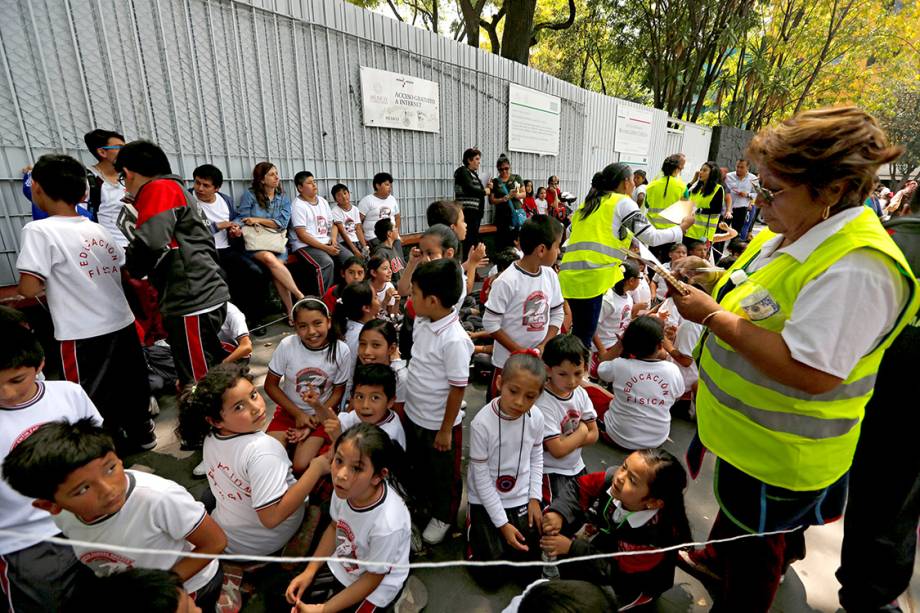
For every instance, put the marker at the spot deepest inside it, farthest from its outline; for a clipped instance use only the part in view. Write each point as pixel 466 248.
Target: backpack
pixel 95 194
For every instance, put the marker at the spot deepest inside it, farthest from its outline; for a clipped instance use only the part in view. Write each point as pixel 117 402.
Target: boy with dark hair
pixel 37 576
pixel 347 219
pixel 524 309
pixel 373 395
pixel 380 204
pixel 78 265
pixel 171 243
pixel 73 473
pixel 438 376
pixel 148 590
pixel 105 192
pixel 313 233
pixel 569 419
pixel 387 236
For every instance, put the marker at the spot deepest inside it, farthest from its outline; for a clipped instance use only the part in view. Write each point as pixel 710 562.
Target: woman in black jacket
pixel 469 191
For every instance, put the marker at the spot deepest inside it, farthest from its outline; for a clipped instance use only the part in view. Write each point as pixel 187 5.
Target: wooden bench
pixel 413 239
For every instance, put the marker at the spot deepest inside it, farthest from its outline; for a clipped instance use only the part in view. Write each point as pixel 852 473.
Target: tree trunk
pixel 471 10
pixel 518 30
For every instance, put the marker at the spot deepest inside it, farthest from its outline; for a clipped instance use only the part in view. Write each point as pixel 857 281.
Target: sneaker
pixel 145 438
pixel 414 596
pixel 201 470
pixel 435 531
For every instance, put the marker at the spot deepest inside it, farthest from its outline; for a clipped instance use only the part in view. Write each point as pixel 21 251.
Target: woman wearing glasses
pixel 507 195
pixel 796 330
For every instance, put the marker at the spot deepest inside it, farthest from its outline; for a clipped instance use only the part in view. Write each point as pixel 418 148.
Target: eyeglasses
pixel 121 178
pixel 766 195
pixel 112 147
pixel 504 168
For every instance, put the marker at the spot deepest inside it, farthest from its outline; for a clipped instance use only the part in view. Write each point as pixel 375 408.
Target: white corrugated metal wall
pixel 233 82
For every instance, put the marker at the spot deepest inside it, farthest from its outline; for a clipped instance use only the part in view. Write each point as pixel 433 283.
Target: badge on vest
pixel 760 305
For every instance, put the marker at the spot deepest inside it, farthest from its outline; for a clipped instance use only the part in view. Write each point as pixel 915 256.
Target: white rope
pixel 411 566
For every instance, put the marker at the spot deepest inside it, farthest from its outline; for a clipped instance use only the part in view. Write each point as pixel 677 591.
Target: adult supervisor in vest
pixel 707 196
pixel 795 335
pixel 602 229
pixel 665 190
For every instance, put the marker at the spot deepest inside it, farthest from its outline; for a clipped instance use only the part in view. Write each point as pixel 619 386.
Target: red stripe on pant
pixel 366 607
pixel 319 271
pixel 456 490
pixel 5 583
pixel 195 348
pixel 69 361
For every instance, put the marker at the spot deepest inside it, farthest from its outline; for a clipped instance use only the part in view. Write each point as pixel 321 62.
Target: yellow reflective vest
pixel 704 226
pixel 775 433
pixel 592 254
pixel 659 195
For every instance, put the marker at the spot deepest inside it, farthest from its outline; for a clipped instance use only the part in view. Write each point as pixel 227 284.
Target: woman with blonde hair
pixel 796 329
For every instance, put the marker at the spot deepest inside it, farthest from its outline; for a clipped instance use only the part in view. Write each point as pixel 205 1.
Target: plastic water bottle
pixel 550 571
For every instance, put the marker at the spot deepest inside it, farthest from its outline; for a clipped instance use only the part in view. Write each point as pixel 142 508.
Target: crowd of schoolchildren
pixel 368 397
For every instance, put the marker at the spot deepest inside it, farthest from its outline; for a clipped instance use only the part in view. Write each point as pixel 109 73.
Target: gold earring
pixel 827 213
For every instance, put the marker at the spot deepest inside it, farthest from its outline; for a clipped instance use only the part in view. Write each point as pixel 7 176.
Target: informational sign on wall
pixel 392 100
pixel 633 135
pixel 533 121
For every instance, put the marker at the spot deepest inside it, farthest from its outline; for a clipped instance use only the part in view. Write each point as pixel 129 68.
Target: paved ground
pixel 809 585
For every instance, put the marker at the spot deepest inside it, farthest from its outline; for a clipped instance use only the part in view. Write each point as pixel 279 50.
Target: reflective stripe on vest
pixel 704 226
pixel 590 264
pixel 775 433
pixel 659 195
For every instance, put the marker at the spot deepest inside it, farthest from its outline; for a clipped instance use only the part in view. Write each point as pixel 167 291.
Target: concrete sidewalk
pixel 809 585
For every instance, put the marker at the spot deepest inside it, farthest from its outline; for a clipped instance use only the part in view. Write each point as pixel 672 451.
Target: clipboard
pixel 677 211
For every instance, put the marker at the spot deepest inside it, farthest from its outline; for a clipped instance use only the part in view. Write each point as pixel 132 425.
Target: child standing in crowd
pixel 440 242
pixel 380 205
pixel 450 213
pixel 359 305
pixel 616 313
pixel 73 473
pixel 173 246
pixel 352 271
pixel 234 336
pixel 524 309
pixel 636 506
pixel 379 275
pixel 378 343
pixel 505 475
pixel 78 264
pixel 105 191
pixel 260 505
pixel 371 402
pixel 386 246
pixel 312 232
pixel 645 386
pixel 314 365
pixel 38 576
pixel 540 201
pixel 676 253
pixel 438 376
pixel 569 420
pixel 347 219
pixel 370 521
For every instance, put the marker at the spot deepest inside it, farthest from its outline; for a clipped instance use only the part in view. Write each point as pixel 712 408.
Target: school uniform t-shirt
pixel 506 448
pixel 688 335
pixel 53 401
pixel 299 367
pixel 616 313
pixel 643 393
pixel 374 209
pixel 314 219
pixel 561 417
pixel 349 220
pixel 380 532
pixel 523 305
pixel 80 265
pixel 389 424
pixel 233 328
pixel 246 473
pixel 643 293
pixel 110 205
pixel 216 212
pixel 157 514
pixel 441 352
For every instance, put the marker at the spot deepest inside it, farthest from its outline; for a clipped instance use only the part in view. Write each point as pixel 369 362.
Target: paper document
pixel 677 211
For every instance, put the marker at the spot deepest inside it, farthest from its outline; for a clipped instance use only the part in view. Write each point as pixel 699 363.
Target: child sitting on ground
pixel 373 394
pixel 315 366
pixel 616 313
pixel 234 335
pixel 645 386
pixel 352 271
pixel 569 420
pixel 638 505
pixel 260 505
pixel 73 473
pixel 380 277
pixel 505 475
pixel 676 253
pixel 39 576
pixel 524 309
pixel 370 521
pixel 438 242
pixel 359 304
pixel 378 343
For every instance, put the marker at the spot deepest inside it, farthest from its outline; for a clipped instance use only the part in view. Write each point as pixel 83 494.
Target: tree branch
pixel 395 11
pixel 558 25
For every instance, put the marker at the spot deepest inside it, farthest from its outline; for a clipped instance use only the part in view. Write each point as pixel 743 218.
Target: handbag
pixel 260 238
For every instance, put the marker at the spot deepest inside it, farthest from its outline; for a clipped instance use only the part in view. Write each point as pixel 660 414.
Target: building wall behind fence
pixel 234 82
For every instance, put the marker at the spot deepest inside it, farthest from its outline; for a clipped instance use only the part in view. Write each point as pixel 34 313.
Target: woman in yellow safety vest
pixel 602 230
pixel 707 196
pixel 796 330
pixel 665 190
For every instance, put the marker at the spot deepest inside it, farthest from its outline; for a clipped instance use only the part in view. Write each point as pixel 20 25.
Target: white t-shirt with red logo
pixel 380 532
pixel 561 417
pixel 616 313
pixel 315 219
pixel 80 264
pixel 349 220
pixel 523 305
pixel 299 367
pixel 374 209
pixel 157 514
pixel 53 401
pixel 643 393
pixel 248 472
